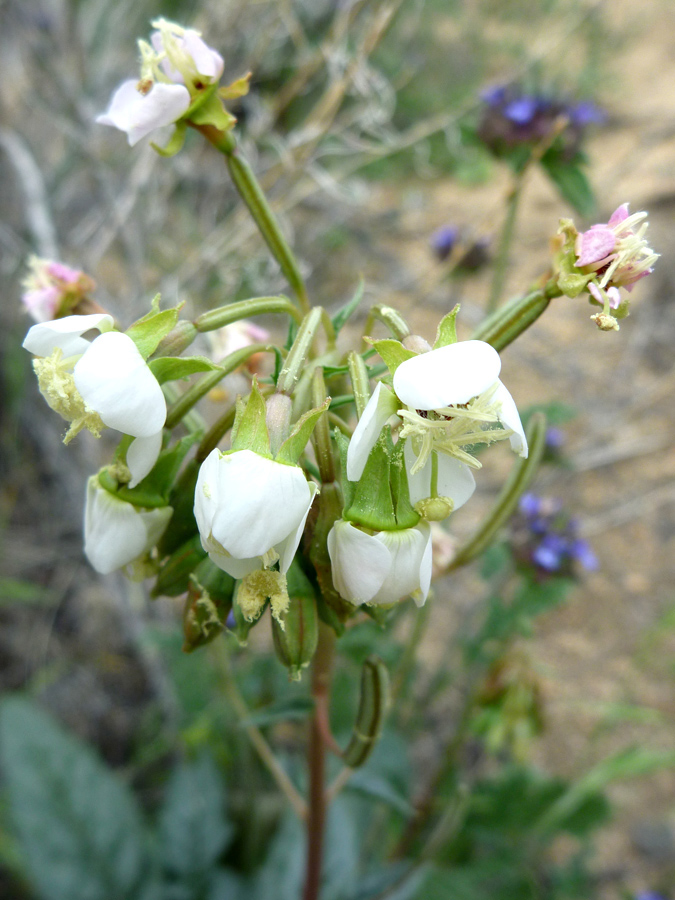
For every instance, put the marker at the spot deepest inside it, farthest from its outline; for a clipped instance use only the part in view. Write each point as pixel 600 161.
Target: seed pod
pixel 174 576
pixel 373 705
pixel 296 637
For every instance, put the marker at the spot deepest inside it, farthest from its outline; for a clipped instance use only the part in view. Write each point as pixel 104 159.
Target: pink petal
pixel 594 245
pixel 618 215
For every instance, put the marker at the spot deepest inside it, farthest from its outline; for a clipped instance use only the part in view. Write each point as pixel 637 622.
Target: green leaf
pixel 281 876
pixel 393 353
pixel 343 314
pixel 447 329
pixel 155 489
pixel 373 785
pixel 250 427
pixel 571 181
pixel 147 332
pixel 79 827
pixel 193 828
pixel 171 368
pixel 293 447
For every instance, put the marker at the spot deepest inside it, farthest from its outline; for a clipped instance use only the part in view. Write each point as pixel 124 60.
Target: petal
pixel 450 375
pixel 207 494
pixel 138 114
pixel 142 456
pixel 379 409
pixel 66 334
pixel 114 379
pixel 455 479
pixel 115 532
pixel 510 418
pixel 208 62
pixel 594 245
pixel 286 548
pixel 261 502
pixel 410 570
pixel 360 562
pixel 619 215
pixel 42 303
pixel 237 568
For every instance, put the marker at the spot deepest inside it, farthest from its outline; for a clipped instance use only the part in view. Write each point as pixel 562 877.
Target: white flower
pixel 452 398
pixel 117 533
pixel 381 568
pixel 139 113
pixel 175 67
pixel 250 510
pixel 105 381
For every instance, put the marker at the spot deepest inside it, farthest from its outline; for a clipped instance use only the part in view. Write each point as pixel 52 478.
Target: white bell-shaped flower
pixel 138 114
pixel 381 568
pixel 116 533
pixel 105 381
pixel 250 510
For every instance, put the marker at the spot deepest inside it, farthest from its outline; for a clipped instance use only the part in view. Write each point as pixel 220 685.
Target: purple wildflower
pixel 544 536
pixel 444 240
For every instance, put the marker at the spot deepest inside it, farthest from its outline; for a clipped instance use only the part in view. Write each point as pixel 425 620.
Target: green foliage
pixel 80 830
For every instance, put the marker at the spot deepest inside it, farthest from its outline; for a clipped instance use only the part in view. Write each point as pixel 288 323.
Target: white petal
pixel 509 417
pixel 114 379
pixel 379 409
pixel 115 532
pixel 138 114
pixel 360 562
pixel 42 339
pixel 237 568
pixel 286 549
pixel 207 495
pixel 450 375
pixel 260 503
pixel 142 456
pixel 208 62
pixel 455 479
pixel 409 573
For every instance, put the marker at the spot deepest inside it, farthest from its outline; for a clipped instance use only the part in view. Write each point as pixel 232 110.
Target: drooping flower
pixel 449 399
pixel 250 510
pixel 117 533
pixel 381 568
pixel 52 289
pixel 101 382
pixel 616 254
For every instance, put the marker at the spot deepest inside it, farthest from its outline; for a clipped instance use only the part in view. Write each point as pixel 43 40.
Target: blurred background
pixel 362 124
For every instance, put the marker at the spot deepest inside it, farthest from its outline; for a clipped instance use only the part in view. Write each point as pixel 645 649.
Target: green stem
pixel 321 434
pixel 505 241
pixel 243 309
pixel 251 193
pixel 358 374
pixel 511 320
pixel 322 669
pixel 299 352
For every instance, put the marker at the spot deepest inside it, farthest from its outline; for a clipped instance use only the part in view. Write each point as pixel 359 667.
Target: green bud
pixel 296 632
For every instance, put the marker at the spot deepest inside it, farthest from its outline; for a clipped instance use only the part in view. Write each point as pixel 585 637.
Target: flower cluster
pixel 514 118
pixel 545 537
pixel 52 289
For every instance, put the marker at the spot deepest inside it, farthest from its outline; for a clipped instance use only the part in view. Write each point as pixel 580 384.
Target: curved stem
pixel 505 241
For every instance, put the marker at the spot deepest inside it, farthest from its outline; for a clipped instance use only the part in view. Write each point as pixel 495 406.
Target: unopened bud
pixel 278 418
pixel 416 343
pixel 177 340
pixel 435 509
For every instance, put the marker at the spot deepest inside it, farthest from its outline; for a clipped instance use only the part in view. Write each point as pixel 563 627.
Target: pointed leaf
pixel 171 368
pixel 447 329
pixel 250 427
pixel 147 332
pixel 236 89
pixel 345 312
pixel 393 353
pixel 293 447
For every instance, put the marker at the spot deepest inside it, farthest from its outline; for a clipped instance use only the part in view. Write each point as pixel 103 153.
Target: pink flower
pixel 52 289
pixel 616 253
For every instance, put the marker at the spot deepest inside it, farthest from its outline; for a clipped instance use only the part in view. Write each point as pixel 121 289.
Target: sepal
pixel 249 431
pixel 148 331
